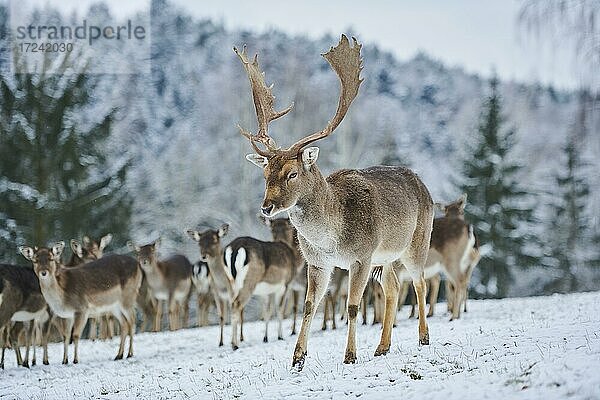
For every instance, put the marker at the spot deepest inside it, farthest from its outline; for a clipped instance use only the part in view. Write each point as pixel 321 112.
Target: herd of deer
pixel 355 229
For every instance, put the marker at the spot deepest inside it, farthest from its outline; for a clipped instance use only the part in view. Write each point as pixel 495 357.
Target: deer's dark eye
pixel 292 175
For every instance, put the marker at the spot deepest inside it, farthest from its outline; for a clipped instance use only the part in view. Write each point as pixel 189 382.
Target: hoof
pixel 265 340
pixel 65 362
pixel 118 357
pixel 350 358
pixel 279 337
pixel 293 333
pixel 33 363
pixel 25 364
pixel 221 344
pixel 324 328
pixel 234 347
pixel 46 362
pixel 129 355
pixel 424 341
pixel 76 361
pixel 381 350
pixel 298 360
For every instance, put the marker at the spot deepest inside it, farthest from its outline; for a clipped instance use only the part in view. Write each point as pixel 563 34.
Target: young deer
pixel 21 300
pixel 221 283
pixel 109 284
pixel 264 269
pixel 282 230
pixel 201 281
pixel 454 251
pixel 353 218
pixel 169 280
pixel 92 250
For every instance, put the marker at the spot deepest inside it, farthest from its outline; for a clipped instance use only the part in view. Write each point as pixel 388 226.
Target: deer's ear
pixel 264 220
pixel 195 235
pixel 223 230
pixel 440 207
pixel 76 248
pixel 133 247
pixel 463 201
pixel 27 252
pixel 258 160
pixel 105 241
pixel 156 243
pixel 58 248
pixel 309 156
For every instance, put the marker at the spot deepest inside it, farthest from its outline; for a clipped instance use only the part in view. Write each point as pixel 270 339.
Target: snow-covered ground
pixel 530 348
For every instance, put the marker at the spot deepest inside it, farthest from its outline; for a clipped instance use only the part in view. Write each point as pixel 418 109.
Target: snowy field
pixel 532 348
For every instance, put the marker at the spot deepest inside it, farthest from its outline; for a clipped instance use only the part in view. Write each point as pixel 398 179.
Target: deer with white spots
pixel 353 218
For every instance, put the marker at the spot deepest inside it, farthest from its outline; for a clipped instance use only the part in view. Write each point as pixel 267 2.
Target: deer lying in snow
pixel 109 284
pixel 201 281
pixel 353 218
pixel 169 280
pixel 21 300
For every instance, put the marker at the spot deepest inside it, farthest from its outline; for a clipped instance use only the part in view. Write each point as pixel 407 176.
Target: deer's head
pixel 90 249
pixel 456 209
pixel 209 241
pixel 147 255
pixel 282 229
pixel 289 173
pixel 45 260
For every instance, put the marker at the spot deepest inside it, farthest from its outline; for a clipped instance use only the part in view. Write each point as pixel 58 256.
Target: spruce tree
pixel 573 244
pixel 56 181
pixel 498 206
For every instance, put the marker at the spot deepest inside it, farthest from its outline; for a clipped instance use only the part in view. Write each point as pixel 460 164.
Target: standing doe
pixel 107 285
pixel 169 280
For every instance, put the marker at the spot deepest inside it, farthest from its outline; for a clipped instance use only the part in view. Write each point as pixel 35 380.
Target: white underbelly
pixel 24 316
pixel 380 257
pixel 265 289
pixel 98 311
pixel 160 294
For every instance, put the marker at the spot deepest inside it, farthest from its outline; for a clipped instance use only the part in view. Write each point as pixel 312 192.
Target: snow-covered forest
pixel 160 152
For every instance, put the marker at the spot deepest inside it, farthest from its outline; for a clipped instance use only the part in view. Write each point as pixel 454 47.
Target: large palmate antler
pixel 347 64
pixel 263 103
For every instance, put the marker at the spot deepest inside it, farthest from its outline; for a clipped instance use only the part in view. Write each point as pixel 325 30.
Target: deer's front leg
pixel 318 280
pixel 359 276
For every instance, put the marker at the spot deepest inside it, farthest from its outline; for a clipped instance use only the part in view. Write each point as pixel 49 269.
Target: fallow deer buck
pixel 169 280
pixel 221 282
pixel 21 300
pixel 353 218
pixel 201 281
pixel 109 284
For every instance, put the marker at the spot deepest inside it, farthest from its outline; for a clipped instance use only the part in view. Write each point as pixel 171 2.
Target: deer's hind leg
pixel 359 276
pixel 391 289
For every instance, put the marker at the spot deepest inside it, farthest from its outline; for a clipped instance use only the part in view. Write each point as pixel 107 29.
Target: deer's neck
pixel 316 215
pixel 218 274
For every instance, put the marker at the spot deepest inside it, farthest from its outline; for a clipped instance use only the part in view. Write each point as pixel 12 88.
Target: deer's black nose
pixel 267 210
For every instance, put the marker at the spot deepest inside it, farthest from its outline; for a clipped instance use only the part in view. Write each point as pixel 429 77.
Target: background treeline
pixel 152 154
